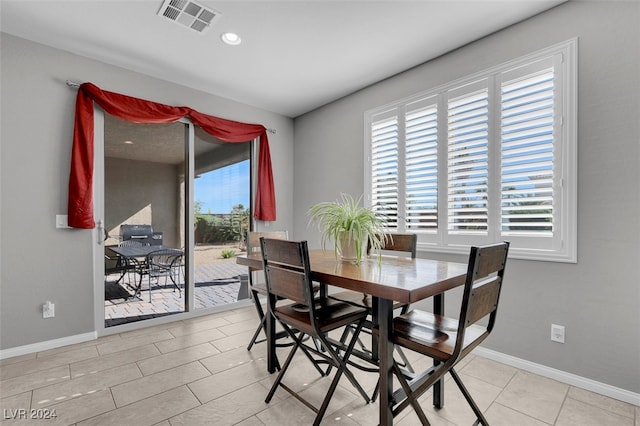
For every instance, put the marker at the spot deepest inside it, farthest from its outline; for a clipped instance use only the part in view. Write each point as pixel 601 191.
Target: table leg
pixel 385 352
pixel 374 338
pixel 438 387
pixel 138 290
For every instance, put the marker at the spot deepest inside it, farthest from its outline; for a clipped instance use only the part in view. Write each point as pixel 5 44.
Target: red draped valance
pixel 80 207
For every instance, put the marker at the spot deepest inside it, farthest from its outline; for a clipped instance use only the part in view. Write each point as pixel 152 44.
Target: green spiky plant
pixel 227 253
pixel 345 219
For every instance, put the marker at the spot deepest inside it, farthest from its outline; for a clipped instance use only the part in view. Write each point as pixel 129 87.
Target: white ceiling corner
pixel 295 56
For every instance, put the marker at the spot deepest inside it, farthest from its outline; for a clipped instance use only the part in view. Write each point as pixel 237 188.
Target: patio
pixel 217 282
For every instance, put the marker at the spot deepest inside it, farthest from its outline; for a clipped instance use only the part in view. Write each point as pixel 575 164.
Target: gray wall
pixel 38 261
pixel 150 192
pixel 597 299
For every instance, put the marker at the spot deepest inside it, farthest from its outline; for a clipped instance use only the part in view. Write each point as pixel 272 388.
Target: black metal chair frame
pixel 480 299
pixel 288 277
pixel 128 265
pixel 114 264
pixel 163 263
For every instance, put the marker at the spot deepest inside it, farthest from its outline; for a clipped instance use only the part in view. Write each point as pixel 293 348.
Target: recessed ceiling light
pixel 231 38
pixel 128 142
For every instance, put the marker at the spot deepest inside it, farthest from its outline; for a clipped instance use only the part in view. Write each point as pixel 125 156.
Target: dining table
pixel 135 253
pixel 387 279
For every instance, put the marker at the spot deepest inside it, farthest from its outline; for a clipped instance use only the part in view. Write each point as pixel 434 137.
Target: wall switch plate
pixel 61 221
pixel 557 333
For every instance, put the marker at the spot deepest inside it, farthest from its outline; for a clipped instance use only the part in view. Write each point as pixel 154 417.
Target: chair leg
pixel 149 288
pixel 121 276
pixel 376 391
pixel 327 399
pixel 467 396
pixel 283 369
pixel 256 334
pixel 334 358
pixel 262 325
pixel 175 285
pixel 341 365
pixel 314 361
pixel 342 361
pixel 411 396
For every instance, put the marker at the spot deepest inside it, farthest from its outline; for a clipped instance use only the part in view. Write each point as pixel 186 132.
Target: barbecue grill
pixel 142 233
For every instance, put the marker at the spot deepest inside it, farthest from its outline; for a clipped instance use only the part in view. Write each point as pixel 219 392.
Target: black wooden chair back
pixel 398 242
pixel 481 292
pixel 448 340
pixel 286 267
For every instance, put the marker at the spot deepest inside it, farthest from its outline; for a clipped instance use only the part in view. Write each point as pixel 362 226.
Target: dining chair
pixel 395 244
pixel 306 318
pixel 256 288
pixel 448 340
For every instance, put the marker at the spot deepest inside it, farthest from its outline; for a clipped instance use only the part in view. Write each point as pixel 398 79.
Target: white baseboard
pixel 561 376
pixel 46 345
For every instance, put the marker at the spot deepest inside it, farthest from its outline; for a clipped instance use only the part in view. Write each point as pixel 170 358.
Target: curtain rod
pixel 75 85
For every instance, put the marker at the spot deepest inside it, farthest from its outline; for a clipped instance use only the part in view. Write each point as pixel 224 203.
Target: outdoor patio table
pixel 134 253
pixel 394 279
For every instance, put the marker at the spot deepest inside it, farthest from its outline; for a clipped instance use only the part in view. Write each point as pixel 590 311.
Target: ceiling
pixel 295 55
pixel 165 143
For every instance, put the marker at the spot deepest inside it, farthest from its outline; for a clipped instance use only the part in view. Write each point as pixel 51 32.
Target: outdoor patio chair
pixel 167 264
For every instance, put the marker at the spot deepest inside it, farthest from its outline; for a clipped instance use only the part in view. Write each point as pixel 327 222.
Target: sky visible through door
pixel 220 190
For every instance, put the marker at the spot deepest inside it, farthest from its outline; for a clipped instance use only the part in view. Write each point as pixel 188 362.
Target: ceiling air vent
pixel 189 14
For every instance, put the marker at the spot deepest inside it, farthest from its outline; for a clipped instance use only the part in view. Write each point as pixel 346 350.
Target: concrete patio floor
pixel 217 283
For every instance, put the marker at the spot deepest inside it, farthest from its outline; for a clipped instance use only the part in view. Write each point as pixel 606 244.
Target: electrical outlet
pixel 557 333
pixel 48 309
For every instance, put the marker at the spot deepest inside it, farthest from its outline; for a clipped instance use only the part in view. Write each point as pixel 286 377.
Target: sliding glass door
pixel 145 174
pixel 222 189
pixel 172 187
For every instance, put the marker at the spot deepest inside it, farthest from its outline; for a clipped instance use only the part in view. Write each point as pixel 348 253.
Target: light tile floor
pixel 198 372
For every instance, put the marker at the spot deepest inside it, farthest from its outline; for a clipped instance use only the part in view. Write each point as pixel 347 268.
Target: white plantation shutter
pixel 468 163
pixel 527 132
pixel 421 167
pixel 488 158
pixel 384 168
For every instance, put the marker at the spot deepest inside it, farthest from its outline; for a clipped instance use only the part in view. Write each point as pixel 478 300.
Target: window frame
pixel 561 246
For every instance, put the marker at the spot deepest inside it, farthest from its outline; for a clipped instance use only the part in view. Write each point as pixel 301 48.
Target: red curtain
pixel 80 207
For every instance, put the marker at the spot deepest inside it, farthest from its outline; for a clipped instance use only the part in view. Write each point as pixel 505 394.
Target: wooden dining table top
pixel 395 278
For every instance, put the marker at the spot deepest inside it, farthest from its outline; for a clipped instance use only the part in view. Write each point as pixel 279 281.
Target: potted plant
pixel 350 226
